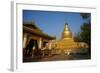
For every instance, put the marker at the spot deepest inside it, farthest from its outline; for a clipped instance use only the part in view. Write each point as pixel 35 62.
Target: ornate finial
pixel 66 23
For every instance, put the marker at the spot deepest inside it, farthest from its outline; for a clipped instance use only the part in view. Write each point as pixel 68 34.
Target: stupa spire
pixel 66 32
pixel 66 27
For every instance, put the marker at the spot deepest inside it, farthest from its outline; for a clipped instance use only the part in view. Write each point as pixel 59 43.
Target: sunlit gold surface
pixel 67 42
pixel 66 32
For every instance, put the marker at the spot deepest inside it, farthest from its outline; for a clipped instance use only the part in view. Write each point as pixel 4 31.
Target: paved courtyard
pixel 56 58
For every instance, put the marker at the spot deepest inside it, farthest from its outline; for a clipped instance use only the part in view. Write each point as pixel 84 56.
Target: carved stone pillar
pixel 24 40
pixel 50 44
pixel 40 43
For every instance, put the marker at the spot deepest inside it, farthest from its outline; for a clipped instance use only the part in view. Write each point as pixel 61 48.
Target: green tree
pixel 84 35
pixel 85 30
pixel 85 15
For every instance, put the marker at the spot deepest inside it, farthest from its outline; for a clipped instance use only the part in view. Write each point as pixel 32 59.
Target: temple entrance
pixel 29 48
pixel 44 44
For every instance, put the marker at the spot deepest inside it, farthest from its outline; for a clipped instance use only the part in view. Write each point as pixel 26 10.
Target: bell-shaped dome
pixel 66 32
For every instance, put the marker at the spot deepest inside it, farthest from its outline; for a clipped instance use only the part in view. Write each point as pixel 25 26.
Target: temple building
pixel 34 38
pixel 67 44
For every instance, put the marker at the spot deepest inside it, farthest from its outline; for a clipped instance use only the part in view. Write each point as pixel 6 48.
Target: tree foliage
pixel 85 15
pixel 85 33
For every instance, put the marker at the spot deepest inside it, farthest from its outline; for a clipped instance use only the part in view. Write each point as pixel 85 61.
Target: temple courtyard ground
pixel 59 57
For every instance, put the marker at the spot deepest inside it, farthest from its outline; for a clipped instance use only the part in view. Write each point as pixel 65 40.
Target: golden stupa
pixel 67 42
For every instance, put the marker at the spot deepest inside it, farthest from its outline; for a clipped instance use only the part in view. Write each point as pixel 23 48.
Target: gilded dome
pixel 66 32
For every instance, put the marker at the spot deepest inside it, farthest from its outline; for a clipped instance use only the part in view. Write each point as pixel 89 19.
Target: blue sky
pixel 52 22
